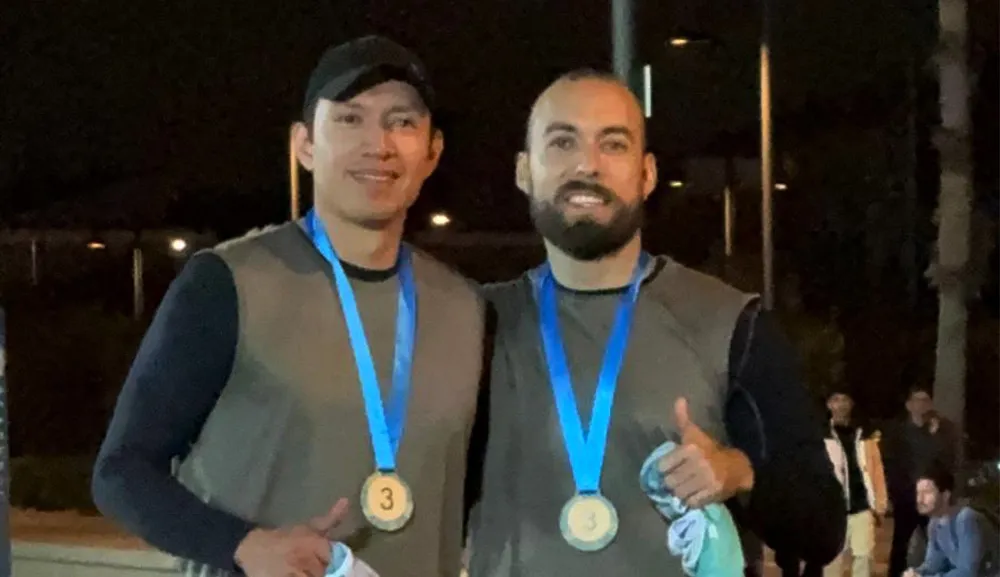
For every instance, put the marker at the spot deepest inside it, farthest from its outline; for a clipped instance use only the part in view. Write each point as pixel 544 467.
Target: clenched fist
pixel 701 471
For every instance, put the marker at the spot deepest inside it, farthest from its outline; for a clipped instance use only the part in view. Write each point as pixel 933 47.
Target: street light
pixel 440 219
pixel 676 184
pixel 781 186
pixel 96 245
pixel 178 245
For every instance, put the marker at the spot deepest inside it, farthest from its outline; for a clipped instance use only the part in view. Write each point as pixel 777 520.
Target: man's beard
pixel 585 238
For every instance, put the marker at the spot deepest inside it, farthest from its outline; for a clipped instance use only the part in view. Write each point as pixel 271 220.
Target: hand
pixel 934 425
pixel 910 573
pixel 327 525
pixel 701 471
pixel 296 551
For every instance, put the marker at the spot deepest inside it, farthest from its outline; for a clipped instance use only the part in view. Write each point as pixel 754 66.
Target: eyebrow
pixel 399 108
pixel 560 127
pixel 406 108
pixel 606 131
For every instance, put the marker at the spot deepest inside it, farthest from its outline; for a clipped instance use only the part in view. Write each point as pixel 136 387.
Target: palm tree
pixel 949 270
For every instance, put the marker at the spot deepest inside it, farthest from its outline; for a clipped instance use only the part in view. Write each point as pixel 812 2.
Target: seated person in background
pixel 959 540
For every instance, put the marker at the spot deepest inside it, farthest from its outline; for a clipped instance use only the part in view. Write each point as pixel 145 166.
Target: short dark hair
pixel 913 390
pixel 939 474
pixel 575 75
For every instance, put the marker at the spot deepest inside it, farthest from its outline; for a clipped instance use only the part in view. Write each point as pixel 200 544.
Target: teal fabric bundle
pixel 706 539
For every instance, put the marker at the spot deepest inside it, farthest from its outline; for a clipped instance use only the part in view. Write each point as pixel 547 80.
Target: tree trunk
pixel 949 270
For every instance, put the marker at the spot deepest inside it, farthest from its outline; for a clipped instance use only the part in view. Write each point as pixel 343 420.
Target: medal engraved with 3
pixel 589 521
pixel 386 499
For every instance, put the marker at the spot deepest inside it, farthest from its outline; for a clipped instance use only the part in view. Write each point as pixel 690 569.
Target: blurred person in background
pixel 857 462
pixel 910 446
pixel 961 542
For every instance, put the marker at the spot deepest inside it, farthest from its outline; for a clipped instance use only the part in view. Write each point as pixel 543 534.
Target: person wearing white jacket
pixel 857 463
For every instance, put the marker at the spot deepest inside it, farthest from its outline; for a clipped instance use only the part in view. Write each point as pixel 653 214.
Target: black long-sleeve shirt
pixel 796 505
pixel 178 374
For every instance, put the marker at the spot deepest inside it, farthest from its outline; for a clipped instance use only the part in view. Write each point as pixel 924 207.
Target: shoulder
pixel 969 517
pixel 254 241
pixel 870 432
pixel 204 283
pixel 697 299
pixel 508 297
pixel 443 280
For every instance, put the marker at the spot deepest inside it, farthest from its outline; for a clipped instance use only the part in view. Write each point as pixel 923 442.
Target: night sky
pixel 197 96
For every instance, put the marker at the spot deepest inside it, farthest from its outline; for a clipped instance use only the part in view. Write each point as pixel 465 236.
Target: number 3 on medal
pixel 386 501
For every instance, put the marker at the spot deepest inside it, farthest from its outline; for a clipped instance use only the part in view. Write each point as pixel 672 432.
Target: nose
pixel 380 144
pixel 588 163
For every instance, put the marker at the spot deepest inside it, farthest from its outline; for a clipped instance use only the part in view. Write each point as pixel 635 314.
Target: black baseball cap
pixel 353 67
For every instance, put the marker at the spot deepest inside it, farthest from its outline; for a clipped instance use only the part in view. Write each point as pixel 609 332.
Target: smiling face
pixel 370 155
pixel 585 169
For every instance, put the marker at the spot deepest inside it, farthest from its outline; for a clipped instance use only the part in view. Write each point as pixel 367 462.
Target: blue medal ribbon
pixel 585 450
pixel 385 425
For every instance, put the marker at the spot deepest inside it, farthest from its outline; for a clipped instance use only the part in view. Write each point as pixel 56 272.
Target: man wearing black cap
pixel 288 372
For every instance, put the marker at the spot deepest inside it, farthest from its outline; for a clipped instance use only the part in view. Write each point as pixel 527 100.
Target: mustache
pixel 567 189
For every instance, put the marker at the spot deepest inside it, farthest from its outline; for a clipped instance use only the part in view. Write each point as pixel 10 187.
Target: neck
pixel 917 420
pixel 609 272
pixel 363 247
pixel 842 421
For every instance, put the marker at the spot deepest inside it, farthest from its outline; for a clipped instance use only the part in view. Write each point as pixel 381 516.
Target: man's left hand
pixel 701 471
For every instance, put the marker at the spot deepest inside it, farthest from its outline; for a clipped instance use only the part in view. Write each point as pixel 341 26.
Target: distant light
pixel 676 184
pixel 680 41
pixel 647 89
pixel 96 245
pixel 440 219
pixel 178 245
pixel 781 186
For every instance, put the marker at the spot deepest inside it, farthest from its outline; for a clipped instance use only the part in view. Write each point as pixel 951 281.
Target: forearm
pixel 150 503
pixel 796 506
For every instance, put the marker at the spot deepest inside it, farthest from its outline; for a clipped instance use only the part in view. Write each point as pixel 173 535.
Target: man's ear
pixel 434 150
pixel 437 146
pixel 302 145
pixel 649 175
pixel 522 172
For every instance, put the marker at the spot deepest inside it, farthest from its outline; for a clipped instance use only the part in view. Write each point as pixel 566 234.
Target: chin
pixel 379 219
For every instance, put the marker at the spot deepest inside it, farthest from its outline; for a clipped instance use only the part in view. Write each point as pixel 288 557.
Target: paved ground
pixel 71 529
pixel 883 537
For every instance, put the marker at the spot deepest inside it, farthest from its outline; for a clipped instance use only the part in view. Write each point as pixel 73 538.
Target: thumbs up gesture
pixel 327 523
pixel 701 471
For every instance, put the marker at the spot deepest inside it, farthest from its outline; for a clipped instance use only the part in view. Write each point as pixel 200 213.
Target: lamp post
pixel 623 38
pixel 766 160
pixel 293 176
pixel 766 152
